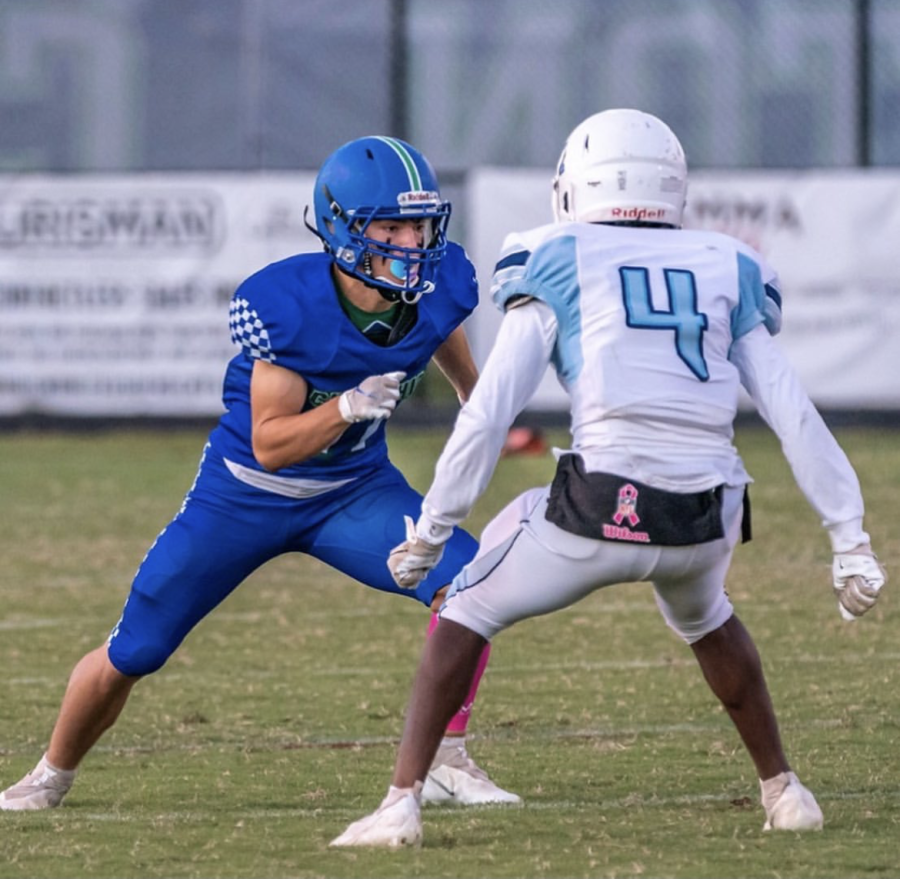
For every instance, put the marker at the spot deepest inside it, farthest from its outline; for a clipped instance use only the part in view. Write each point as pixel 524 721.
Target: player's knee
pixel 138 659
pixel 692 624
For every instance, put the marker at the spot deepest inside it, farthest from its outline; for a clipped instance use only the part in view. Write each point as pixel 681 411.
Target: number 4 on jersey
pixel 682 316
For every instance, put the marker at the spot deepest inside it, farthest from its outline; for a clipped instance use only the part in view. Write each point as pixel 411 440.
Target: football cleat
pixel 795 808
pixel 42 788
pixel 456 778
pixel 397 822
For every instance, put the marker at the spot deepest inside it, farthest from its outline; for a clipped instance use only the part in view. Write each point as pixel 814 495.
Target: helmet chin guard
pixel 381 178
pixel 621 166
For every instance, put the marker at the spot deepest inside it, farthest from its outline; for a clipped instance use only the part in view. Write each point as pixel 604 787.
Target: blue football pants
pixel 227 529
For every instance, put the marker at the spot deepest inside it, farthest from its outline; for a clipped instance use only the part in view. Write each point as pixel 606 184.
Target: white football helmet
pixel 621 166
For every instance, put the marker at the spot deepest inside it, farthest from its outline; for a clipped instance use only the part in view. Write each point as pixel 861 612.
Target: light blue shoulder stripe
pixel 551 275
pixel 749 312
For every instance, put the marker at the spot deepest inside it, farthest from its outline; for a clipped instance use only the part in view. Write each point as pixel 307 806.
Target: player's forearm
pixel 454 359
pixel 512 373
pixel 289 439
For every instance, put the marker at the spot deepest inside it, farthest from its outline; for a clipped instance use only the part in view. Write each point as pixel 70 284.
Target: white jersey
pixel 651 333
pixel 646 319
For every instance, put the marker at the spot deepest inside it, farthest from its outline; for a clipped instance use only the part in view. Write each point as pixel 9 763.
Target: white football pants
pixel 527 566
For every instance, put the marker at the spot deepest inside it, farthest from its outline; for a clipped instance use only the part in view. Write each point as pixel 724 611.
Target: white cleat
pixel 456 778
pixel 397 822
pixel 794 808
pixel 43 788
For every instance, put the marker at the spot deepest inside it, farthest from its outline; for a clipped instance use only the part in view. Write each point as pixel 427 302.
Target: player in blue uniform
pixel 330 343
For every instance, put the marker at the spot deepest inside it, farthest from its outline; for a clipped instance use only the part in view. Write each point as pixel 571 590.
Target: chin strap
pixel 314 230
pixel 403 323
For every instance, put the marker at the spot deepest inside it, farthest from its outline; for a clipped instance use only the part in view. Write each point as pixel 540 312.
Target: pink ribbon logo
pixel 628 495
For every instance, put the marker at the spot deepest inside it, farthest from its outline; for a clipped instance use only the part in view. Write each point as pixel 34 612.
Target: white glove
pixel 411 561
pixel 374 397
pixel 858 578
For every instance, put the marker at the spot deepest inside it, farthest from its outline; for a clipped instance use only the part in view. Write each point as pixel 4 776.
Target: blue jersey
pixel 288 314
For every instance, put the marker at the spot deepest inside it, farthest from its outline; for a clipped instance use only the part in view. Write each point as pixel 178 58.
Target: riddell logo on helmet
pixel 638 213
pixel 417 197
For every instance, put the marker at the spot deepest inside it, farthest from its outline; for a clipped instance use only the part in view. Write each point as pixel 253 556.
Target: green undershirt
pixel 374 325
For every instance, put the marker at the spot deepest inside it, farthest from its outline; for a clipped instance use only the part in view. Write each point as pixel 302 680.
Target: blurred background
pixel 162 85
pixel 155 152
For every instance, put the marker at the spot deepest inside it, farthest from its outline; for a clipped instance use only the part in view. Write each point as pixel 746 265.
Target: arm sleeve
pixel 822 470
pixel 513 370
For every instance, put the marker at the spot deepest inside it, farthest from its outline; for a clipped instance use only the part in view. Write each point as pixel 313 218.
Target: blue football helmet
pixel 377 178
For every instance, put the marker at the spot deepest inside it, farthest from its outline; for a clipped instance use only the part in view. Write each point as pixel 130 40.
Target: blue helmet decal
pixel 381 178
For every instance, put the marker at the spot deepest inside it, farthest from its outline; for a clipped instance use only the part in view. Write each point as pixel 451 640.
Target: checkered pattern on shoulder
pixel 247 330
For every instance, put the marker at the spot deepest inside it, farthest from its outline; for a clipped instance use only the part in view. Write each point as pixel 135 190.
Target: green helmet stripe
pixel 415 181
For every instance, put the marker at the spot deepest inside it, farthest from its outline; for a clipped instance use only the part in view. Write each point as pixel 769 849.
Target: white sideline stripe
pixel 534 735
pixel 627 803
pixel 255 616
pixel 16 625
pixel 608 732
pixel 30 682
pixel 498 668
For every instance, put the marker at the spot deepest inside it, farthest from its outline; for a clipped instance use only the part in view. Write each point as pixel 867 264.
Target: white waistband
pixel 283 485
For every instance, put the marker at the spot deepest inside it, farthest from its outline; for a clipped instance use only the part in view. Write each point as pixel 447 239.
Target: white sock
pixel 772 788
pixel 395 794
pixel 66 776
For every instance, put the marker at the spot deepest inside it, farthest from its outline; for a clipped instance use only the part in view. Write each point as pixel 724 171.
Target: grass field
pixel 275 724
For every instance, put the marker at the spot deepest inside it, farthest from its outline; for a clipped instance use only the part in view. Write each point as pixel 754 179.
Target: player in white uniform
pixel 651 330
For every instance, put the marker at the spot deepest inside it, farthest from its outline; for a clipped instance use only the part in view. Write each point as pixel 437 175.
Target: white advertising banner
pixel 114 290
pixel 833 237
